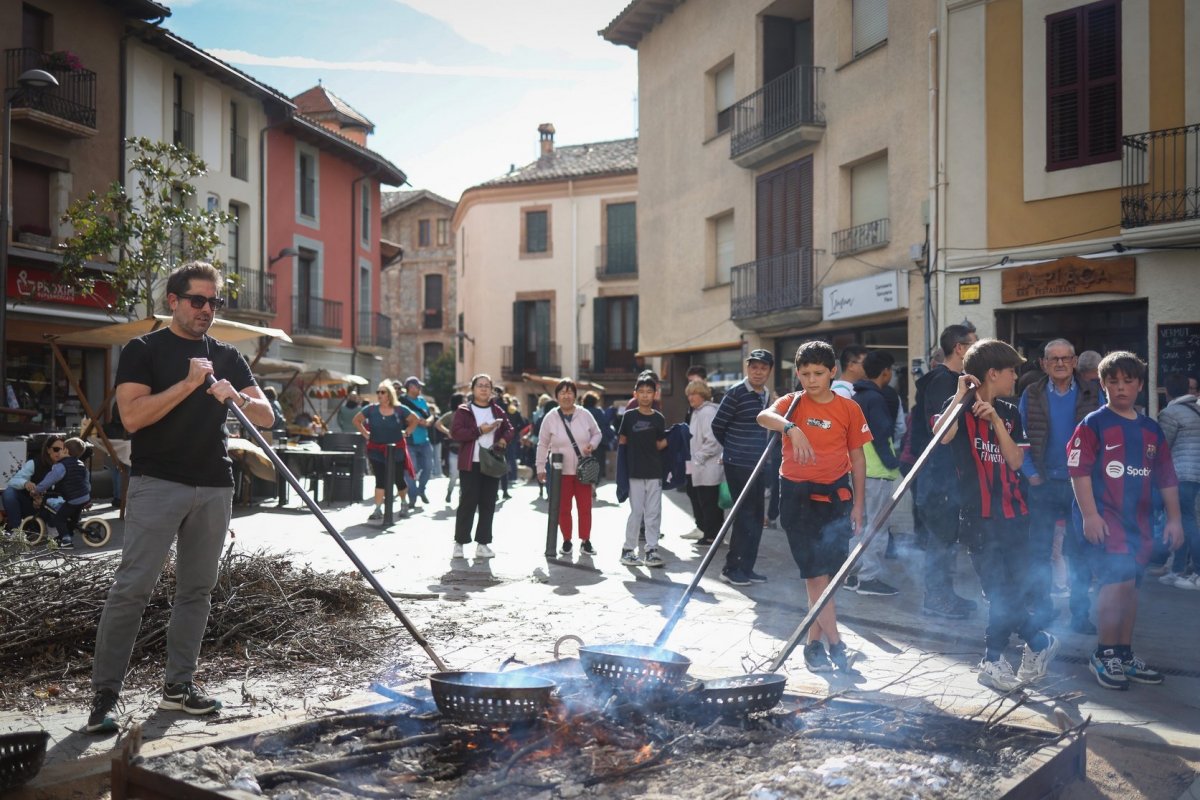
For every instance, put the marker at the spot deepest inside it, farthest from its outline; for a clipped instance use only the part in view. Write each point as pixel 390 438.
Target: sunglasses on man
pixel 198 301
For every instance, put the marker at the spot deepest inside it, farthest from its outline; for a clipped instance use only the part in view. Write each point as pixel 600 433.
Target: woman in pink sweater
pixel 553 439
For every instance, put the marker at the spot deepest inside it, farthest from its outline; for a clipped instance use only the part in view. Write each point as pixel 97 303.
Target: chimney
pixel 546 138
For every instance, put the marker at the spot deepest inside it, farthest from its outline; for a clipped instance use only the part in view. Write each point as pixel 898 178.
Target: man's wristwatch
pixel 787 427
pixel 245 399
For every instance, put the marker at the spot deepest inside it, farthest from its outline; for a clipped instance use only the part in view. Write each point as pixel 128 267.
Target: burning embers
pixel 604 743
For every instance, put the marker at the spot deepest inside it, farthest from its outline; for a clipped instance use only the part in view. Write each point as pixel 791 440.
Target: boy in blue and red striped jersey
pixel 988 443
pixel 1116 458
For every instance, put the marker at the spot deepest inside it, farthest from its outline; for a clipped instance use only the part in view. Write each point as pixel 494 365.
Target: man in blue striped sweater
pixel 736 428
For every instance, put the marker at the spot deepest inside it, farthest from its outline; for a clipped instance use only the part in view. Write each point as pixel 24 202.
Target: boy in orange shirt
pixel 822 487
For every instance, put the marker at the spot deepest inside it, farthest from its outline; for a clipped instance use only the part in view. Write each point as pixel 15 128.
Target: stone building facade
pixel 419 291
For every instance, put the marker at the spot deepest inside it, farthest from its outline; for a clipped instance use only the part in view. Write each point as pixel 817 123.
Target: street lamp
pixel 31 79
pixel 287 252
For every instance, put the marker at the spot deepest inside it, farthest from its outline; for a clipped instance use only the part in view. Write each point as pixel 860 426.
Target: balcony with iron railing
pixel 545 360
pixel 606 362
pixel 773 291
pixel 255 293
pixel 785 114
pixel 859 238
pixel 239 163
pixel 184 129
pixel 374 331
pixel 316 318
pixel 1160 177
pixel 69 108
pixel 616 260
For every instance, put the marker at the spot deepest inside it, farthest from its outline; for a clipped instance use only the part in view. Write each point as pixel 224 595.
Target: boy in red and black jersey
pixel 1116 458
pixel 988 444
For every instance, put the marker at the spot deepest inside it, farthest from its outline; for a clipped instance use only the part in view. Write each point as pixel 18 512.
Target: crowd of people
pixel 1069 465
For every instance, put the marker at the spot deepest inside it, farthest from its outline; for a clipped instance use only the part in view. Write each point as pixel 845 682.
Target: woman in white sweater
pixel 552 438
pixel 705 466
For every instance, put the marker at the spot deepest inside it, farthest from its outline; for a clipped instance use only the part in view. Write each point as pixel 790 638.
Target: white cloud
pixel 401 67
pixel 503 26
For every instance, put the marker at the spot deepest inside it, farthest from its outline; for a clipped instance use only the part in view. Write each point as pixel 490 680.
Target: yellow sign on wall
pixel 968 291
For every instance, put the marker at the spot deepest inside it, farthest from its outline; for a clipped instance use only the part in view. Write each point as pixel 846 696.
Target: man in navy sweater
pixel 736 427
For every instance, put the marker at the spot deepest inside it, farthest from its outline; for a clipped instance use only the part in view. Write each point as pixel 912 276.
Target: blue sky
pixel 456 88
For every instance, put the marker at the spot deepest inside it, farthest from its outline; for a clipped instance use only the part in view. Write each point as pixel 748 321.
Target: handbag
pixel 491 463
pixel 724 497
pixel 587 468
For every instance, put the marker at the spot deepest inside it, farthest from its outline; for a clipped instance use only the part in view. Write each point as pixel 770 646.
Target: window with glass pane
pixel 430 352
pixel 433 302
pixel 536 228
pixel 365 205
pixel 723 233
pixel 443 232
pixel 622 332
pixel 725 98
pixel 423 233
pixel 621 242
pixel 233 257
pixel 308 185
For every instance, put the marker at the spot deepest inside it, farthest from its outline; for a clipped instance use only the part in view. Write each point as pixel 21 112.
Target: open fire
pixel 598 743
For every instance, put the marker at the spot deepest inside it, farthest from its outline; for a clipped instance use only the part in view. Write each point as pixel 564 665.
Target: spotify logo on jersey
pixel 1115 469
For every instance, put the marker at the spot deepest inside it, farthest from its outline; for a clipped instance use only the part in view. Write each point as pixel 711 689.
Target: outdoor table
pixel 307 462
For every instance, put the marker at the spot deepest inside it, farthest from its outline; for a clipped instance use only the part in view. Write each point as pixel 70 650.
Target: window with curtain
pixel 725 98
pixel 537 231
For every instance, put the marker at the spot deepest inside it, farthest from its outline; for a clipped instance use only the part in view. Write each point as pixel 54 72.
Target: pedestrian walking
pixel 643 435
pixel 1118 457
pixel 570 432
pixel 883 470
pixel 479 424
pixel 936 496
pixel 420 449
pixel 822 483
pixel 451 447
pixel 987 442
pixel 704 470
pixel 382 424
pixel 181 489
pixel 743 441
pixel 1180 422
pixel 1050 408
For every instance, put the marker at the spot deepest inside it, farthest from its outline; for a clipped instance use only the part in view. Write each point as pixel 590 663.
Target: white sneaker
pixel 1169 578
pixel 483 551
pixel 998 675
pixel 458 551
pixel 1034 664
pixel 694 533
pixel 1190 582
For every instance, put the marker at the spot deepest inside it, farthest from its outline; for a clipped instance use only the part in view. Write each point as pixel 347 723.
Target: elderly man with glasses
pixel 181 491
pixel 1050 408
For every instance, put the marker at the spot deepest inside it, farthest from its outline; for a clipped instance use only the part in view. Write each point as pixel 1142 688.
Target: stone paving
pixel 520 603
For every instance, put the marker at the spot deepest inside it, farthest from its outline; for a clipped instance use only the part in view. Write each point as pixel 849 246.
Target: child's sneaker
pixel 586 548
pixel 458 551
pixel 1035 663
pixel 998 674
pixel 815 658
pixel 1136 670
pixel 630 558
pixel 1109 670
pixel 66 543
pixel 483 551
pixel 653 559
pixel 839 657
pixel 566 547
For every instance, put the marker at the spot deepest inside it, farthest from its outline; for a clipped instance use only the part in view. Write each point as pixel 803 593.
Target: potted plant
pixel 63 61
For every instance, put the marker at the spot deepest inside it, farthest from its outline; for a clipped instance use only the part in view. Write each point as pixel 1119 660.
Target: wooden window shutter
pixel 1083 85
pixel 599 334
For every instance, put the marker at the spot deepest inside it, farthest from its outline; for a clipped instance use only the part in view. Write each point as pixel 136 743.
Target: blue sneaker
pixel 1137 671
pixel 1109 670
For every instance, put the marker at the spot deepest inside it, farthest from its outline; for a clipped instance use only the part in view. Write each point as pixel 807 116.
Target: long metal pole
pixel 751 485
pixel 873 528
pixel 252 429
pixel 5 213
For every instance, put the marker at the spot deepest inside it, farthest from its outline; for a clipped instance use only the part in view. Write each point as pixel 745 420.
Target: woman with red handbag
pixel 381 424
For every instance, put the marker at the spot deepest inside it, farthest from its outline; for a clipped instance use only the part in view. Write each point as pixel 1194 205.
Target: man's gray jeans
pixel 158 512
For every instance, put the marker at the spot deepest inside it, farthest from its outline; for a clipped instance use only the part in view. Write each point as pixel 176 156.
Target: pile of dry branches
pixel 265 611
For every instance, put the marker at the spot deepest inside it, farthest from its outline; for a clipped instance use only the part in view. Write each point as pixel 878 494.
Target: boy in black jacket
pixel 988 444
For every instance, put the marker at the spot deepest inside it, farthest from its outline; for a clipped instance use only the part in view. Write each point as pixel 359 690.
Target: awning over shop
pixel 547 381
pixel 119 333
pixel 699 348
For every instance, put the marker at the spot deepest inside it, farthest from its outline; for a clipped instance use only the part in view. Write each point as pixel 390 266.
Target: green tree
pixel 439 379
pixel 151 231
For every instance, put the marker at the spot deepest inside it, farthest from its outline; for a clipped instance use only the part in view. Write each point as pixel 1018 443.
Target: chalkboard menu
pixel 1178 348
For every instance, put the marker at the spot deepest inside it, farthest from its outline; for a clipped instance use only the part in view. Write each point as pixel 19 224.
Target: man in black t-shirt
pixel 181 489
pixel 988 444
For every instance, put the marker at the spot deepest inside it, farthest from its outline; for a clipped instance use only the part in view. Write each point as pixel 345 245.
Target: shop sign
pixel 887 291
pixel 31 285
pixel 968 291
pixel 1069 276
